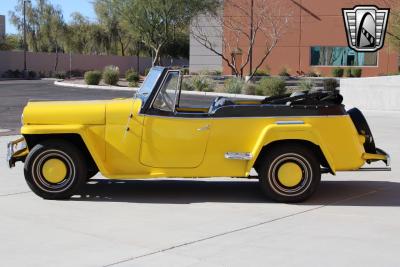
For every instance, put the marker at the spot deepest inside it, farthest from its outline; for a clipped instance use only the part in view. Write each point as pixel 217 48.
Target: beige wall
pixel 202 58
pixel 46 61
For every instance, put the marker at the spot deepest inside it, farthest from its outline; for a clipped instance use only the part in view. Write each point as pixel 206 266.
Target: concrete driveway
pixel 353 220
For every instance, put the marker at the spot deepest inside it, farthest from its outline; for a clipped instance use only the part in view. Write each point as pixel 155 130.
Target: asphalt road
pixel 15 94
pixel 352 220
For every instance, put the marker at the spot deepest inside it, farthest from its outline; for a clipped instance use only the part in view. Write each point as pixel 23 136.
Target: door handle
pixel 204 128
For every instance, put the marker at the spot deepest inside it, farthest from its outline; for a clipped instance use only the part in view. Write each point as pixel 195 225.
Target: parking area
pixel 353 219
pixel 15 94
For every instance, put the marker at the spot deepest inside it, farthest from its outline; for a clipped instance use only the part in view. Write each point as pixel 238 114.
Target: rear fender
pixel 276 132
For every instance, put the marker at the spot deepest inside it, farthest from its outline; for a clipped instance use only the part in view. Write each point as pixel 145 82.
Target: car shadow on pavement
pixel 339 193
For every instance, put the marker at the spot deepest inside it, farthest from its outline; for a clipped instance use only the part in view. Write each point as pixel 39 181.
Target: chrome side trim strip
pixel 289 122
pixel 238 156
pixel 372 169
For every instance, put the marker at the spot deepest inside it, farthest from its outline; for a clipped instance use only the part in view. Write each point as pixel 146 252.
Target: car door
pixel 169 141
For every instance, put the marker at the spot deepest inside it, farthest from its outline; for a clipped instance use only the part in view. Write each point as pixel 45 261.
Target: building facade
pixel 314 39
pixel 2 27
pixel 201 58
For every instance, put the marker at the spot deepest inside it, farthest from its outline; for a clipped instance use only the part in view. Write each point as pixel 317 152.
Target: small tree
pixel 156 21
pixel 394 27
pixel 107 14
pixel 253 19
pixel 45 26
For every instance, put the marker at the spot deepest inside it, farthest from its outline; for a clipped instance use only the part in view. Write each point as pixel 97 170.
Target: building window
pixel 341 56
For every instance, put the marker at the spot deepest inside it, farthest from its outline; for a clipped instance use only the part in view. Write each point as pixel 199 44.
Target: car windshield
pixel 149 84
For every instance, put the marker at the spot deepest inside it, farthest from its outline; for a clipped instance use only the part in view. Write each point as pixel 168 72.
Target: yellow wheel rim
pixel 290 174
pixel 54 171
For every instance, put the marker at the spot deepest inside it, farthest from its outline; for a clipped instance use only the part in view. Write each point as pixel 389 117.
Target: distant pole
pixel 138 57
pixel 25 46
pixel 24 37
pixel 70 64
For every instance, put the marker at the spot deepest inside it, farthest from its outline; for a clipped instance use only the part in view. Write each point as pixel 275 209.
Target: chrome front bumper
pixel 16 151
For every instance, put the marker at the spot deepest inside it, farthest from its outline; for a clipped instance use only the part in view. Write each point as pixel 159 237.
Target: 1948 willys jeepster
pixel 288 140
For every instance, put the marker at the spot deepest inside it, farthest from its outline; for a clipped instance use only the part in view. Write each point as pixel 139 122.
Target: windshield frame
pixel 161 86
pixel 148 95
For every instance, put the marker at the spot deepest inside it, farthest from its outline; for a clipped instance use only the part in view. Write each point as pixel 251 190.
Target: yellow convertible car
pixel 288 140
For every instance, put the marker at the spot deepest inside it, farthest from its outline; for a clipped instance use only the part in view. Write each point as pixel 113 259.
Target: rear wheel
pixel 91 173
pixel 55 170
pixel 289 173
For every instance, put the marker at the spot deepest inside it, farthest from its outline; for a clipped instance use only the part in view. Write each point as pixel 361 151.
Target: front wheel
pixel 55 170
pixel 289 173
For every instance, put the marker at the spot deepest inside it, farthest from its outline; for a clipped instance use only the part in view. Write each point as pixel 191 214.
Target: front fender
pixel 93 137
pixel 276 132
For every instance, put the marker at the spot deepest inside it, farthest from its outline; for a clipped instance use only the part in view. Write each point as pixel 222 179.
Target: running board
pixel 373 169
pixel 366 169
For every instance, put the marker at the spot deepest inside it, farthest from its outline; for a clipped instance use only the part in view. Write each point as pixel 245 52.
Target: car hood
pixel 65 112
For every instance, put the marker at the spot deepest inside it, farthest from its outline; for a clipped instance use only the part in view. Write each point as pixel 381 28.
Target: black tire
pixel 91 172
pixel 309 173
pixel 61 151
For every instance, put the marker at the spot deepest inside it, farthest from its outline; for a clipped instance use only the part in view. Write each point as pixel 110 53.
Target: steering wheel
pixel 218 102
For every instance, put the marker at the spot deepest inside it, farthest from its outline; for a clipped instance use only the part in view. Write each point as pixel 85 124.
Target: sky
pixel 68 6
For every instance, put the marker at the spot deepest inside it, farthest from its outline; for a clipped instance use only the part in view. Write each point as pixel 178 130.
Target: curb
pixel 134 89
pixel 99 87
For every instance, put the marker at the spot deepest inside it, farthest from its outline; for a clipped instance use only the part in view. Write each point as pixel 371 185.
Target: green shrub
pixel 146 71
pixel 311 74
pixel 32 74
pixel 111 75
pixel 187 85
pixel 75 73
pixel 234 86
pixel 356 72
pixel 330 84
pixel 271 87
pixel 314 72
pixel 337 72
pixel 60 74
pixel 133 84
pixel 261 72
pixel 92 77
pixel 131 75
pixel 218 73
pixel 249 89
pixel 185 71
pixel 18 74
pixel 347 72
pixel 306 84
pixel 199 83
pixel 284 73
pixel 13 74
pixel 211 73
